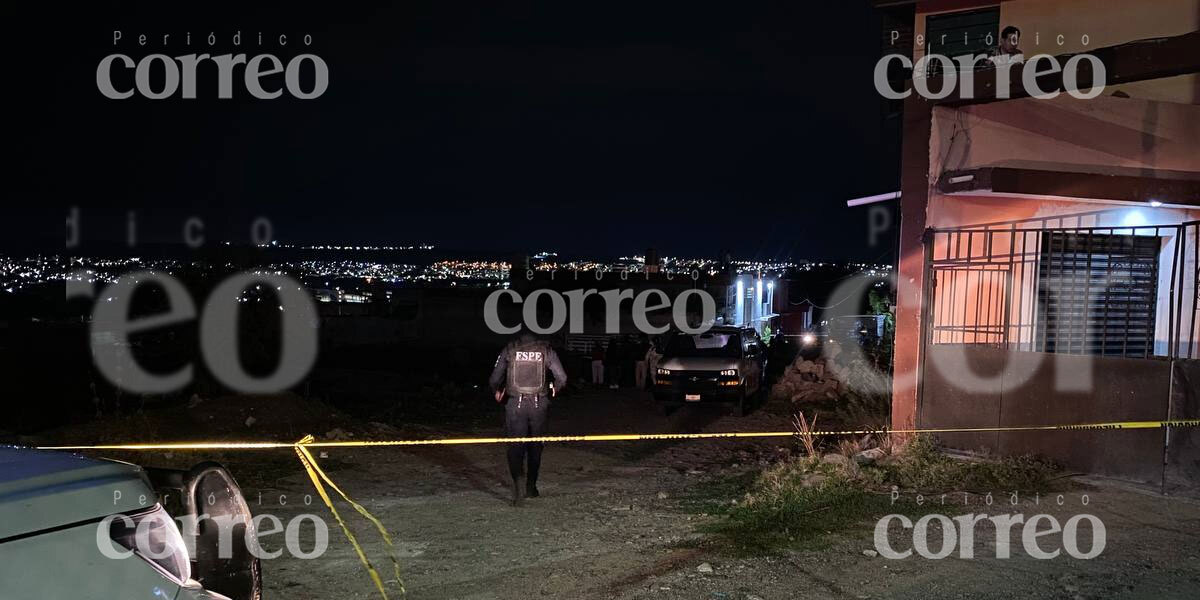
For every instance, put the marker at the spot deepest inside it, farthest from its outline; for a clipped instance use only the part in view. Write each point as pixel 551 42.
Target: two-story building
pixel 1049 230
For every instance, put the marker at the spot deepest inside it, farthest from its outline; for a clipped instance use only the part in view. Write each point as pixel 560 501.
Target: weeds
pixel 800 501
pixel 863 410
pixel 804 431
pixel 850 446
pixel 793 502
pixel 884 440
pixel 925 468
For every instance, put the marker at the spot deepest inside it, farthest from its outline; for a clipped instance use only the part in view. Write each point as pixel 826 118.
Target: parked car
pixel 722 365
pixel 60 514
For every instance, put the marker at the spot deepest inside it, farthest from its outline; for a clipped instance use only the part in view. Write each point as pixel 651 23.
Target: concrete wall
pixel 1002 388
pixel 1102 135
pixel 1104 22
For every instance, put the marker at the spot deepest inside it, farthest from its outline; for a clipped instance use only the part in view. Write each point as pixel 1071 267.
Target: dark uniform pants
pixel 525 417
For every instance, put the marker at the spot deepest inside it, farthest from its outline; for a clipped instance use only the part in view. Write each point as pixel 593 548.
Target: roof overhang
pixel 1133 185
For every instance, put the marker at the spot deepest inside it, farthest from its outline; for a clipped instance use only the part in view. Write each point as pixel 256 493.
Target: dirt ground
pixel 615 522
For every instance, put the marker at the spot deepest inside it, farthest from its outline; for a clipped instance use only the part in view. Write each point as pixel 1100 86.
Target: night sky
pixel 595 129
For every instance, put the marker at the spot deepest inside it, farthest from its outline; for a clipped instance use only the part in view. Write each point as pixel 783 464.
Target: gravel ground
pixel 612 523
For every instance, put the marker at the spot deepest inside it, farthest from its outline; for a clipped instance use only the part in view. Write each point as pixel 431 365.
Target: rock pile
pixel 829 377
pixel 806 381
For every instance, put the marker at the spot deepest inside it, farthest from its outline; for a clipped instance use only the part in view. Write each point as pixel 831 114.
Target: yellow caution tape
pixel 618 437
pixel 316 475
pixel 319 478
pixel 311 464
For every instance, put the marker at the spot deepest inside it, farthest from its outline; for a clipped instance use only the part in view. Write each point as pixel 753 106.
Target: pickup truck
pixel 724 365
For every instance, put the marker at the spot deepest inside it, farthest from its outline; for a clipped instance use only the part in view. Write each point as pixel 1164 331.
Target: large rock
pixel 867 457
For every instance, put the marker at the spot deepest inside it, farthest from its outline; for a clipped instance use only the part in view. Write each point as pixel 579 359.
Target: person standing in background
pixel 597 364
pixel 613 356
pixel 1008 51
pixel 640 363
pixel 652 357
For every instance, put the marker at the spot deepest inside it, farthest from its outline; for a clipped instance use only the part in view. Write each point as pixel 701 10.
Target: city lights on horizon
pixel 365 276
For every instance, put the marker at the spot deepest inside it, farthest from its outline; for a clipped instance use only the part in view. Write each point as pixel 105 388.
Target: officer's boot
pixel 516 456
pixel 517 492
pixel 535 465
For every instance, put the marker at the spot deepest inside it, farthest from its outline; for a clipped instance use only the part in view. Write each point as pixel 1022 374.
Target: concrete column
pixel 910 272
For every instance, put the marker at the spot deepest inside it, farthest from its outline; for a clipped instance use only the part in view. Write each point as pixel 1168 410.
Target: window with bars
pixel 1097 293
pixel 1080 288
pixel 971 32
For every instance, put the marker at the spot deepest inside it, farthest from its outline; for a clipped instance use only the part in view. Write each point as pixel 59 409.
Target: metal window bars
pixel 1066 285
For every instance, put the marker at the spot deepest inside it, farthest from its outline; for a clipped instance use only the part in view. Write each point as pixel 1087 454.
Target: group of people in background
pixel 623 361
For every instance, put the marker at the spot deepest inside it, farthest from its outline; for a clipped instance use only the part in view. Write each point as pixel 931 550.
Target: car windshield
pixel 709 345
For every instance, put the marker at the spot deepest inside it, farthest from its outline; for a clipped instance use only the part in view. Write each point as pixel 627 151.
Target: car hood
pixel 687 363
pixel 42 489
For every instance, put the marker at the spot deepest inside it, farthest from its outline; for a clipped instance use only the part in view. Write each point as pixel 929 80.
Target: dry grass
pixel 799 502
pixel 849 446
pixel 804 431
pixel 887 442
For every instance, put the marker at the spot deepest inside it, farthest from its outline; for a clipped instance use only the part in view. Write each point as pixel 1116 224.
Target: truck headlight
pixel 153 537
pixel 729 373
pixel 664 371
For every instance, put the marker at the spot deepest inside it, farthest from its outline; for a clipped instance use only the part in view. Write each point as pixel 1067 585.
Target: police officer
pixel 519 380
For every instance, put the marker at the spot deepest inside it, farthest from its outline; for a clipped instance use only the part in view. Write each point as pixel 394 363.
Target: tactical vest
pixel 527 369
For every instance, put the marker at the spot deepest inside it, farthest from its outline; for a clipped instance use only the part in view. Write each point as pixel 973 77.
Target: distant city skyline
pixel 20 273
pixel 112 244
